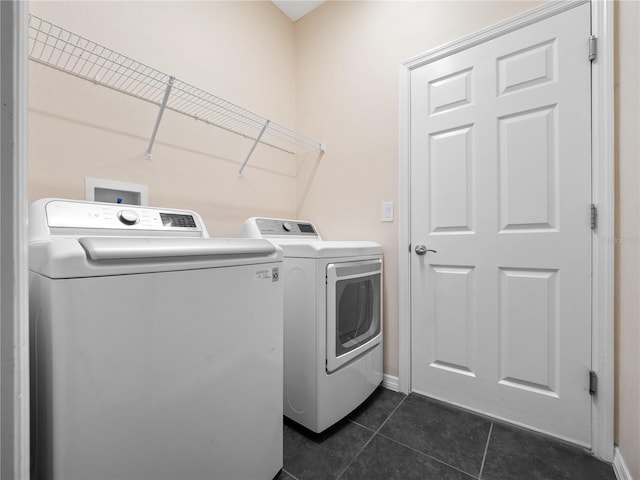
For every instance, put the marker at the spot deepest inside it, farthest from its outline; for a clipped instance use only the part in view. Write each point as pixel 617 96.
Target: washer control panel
pixel 128 217
pixel 92 215
pixel 288 228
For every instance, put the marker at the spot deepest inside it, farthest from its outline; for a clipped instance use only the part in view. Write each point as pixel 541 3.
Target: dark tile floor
pixel 395 436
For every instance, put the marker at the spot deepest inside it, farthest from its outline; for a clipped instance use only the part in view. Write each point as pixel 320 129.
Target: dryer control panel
pixel 256 227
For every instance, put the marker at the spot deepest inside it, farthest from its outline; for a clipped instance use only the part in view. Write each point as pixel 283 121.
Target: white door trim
pixel 14 327
pixel 602 191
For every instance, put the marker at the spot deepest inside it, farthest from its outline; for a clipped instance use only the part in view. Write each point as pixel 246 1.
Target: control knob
pixel 128 217
pixel 287 226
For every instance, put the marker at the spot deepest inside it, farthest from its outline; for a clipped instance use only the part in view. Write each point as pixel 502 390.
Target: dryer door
pixel 354 310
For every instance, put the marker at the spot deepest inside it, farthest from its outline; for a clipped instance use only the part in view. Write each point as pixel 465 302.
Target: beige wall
pixel 348 56
pixel 628 233
pixel 334 76
pixel 240 51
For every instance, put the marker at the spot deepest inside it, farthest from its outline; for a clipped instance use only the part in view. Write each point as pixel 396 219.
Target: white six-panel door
pixel 501 190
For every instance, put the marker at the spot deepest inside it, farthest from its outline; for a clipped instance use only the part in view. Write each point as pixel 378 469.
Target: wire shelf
pixel 64 50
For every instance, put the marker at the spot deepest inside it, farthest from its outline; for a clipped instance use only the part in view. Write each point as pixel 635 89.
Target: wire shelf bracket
pixel 64 50
pixel 163 105
pixel 253 147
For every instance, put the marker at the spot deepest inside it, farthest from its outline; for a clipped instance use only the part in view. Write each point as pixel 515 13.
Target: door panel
pixel 527 165
pixel 454 321
pixel 528 329
pixel 450 178
pixel 501 189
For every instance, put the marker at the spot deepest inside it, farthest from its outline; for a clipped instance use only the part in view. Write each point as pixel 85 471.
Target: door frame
pixel 14 295
pixel 602 129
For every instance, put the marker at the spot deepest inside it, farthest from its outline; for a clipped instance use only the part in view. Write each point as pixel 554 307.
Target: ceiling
pixel 295 9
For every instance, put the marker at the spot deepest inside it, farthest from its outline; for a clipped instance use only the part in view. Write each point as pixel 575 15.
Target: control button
pixel 128 217
pixel 287 226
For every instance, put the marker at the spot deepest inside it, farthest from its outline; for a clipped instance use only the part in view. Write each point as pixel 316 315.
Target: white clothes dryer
pixel 156 351
pixel 332 320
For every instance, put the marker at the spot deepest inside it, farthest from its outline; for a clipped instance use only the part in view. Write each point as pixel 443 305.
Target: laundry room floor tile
pixel 309 456
pixel 384 459
pixel 377 408
pixel 393 436
pixel 517 453
pixel 446 433
pixel 284 476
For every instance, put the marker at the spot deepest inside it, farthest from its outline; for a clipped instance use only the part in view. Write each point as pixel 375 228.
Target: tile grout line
pixel 370 438
pixel 427 456
pixel 361 425
pixel 290 474
pixel 389 416
pixel 486 449
pixel 356 455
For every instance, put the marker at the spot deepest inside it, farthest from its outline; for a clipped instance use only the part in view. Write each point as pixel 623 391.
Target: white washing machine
pixel 332 320
pixel 156 351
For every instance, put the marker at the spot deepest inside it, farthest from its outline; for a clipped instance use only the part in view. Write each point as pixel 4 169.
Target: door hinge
pixel 594 217
pixel 593 382
pixel 593 48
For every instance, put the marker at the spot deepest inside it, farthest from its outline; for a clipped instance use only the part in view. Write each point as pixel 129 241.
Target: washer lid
pixel 103 256
pixel 120 248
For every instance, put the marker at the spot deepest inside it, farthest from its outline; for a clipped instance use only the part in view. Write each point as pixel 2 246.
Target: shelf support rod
pixel 253 147
pixel 163 105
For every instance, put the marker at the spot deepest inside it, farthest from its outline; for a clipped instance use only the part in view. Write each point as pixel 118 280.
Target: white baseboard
pixel 620 467
pixel 391 383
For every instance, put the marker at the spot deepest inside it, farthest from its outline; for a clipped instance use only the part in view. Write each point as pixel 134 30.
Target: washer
pixel 156 351
pixel 332 320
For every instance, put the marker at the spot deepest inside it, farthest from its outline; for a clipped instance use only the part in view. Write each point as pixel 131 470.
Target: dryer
pixel 332 320
pixel 156 351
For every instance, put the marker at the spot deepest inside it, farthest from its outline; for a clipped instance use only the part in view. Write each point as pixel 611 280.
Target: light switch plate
pixel 387 212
